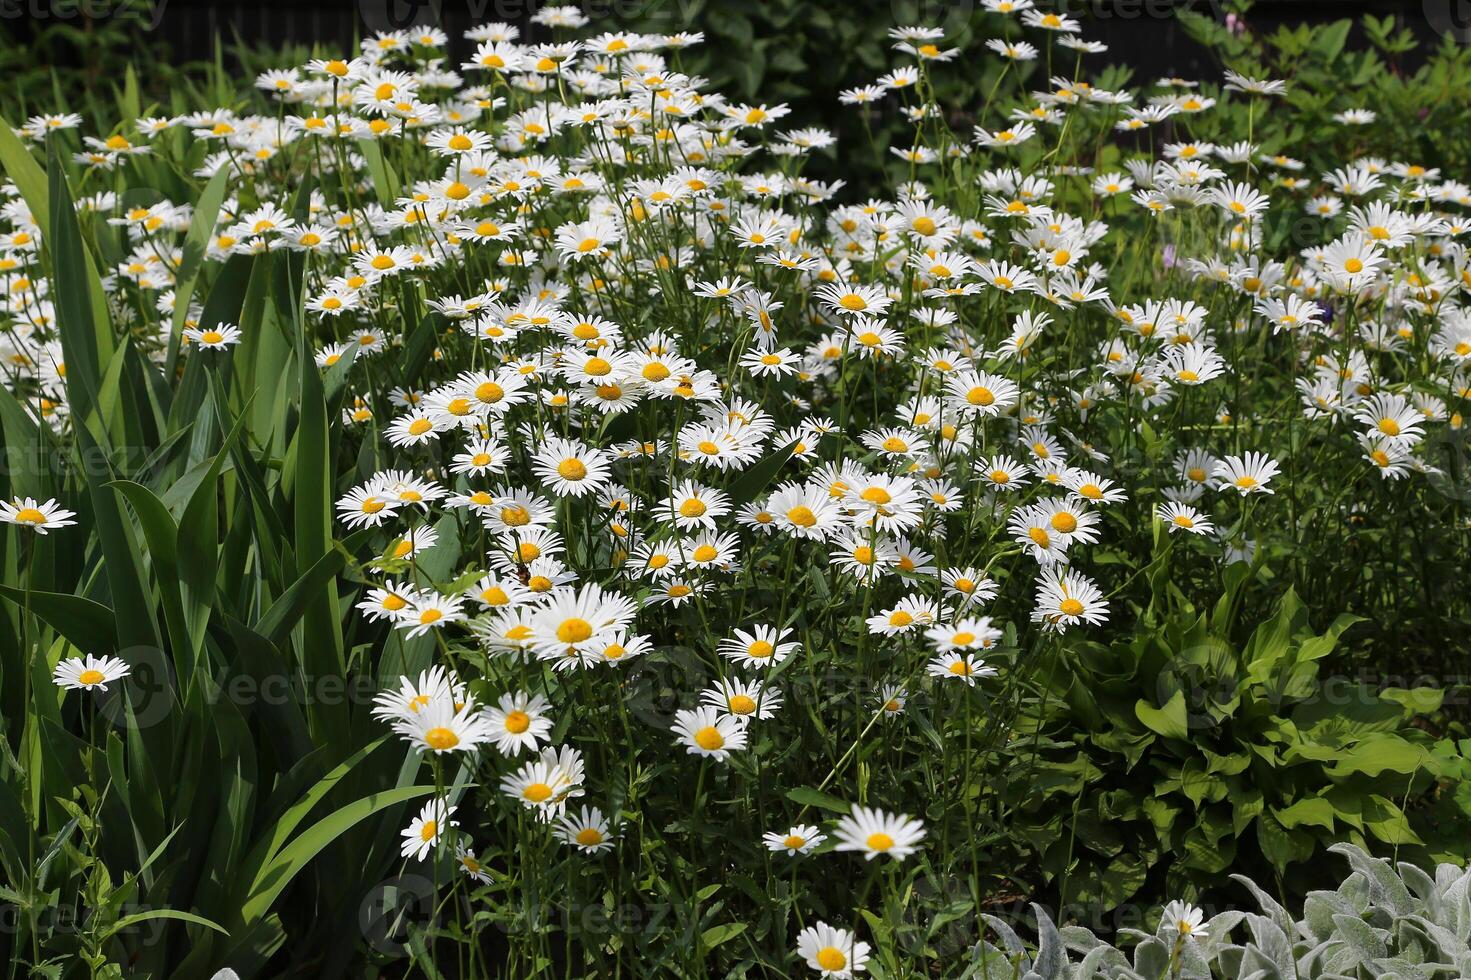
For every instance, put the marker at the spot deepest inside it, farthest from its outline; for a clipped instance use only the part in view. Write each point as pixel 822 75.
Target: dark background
pixel 1139 32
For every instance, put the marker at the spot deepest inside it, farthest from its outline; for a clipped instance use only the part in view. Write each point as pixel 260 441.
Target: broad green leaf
pixel 1171 721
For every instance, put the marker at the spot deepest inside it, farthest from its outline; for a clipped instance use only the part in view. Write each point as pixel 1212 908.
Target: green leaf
pixel 1377 754
pixel 87 625
pixel 86 339
pixel 128 921
pixel 276 875
pixel 29 177
pixel 1313 812
pixel 816 798
pixel 276 623
pixel 196 243
pixel 1171 721
pixel 748 486
pixel 716 935
pixel 385 182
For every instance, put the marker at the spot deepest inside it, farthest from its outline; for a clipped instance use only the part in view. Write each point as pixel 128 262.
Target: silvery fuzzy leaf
pixel 1219 927
pixel 1259 963
pixel 1357 892
pixel 1080 939
pixel 1318 911
pixel 1051 953
pixel 1455 901
pixel 1423 887
pixel 1386 887
pixel 1228 959
pixel 1104 961
pixel 1272 943
pixel 1449 947
pixel 1009 938
pixel 1395 968
pixel 1152 959
pixel 1268 905
pixel 1366 942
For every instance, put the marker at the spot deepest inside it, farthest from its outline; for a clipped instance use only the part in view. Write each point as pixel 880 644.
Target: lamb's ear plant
pixel 1385 920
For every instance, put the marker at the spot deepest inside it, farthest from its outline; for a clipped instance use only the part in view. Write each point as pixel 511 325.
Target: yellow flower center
pixel 589 837
pixel 574 630
pixel 440 739
pixel 760 650
pixel 709 738
pixel 572 469
pixel 29 515
pixel 802 516
pixel 1070 607
pixel 741 705
pixel 1064 522
pixel 537 792
pixel 831 958
pixel 879 842
pixel 90 677
pixel 517 722
pixel 692 508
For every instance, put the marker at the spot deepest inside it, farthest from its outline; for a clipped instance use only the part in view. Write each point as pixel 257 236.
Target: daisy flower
pixel 1184 920
pixel 744 699
pixel 834 953
pixel 691 505
pixel 87 672
pixel 800 839
pixel 1245 474
pixel 1066 598
pixel 470 864
pixel 764 646
pixel 39 517
pixel 959 666
pixel 587 830
pixel 1182 517
pixel 425 831
pixel 570 468
pixel 518 721
pixel 874 832
pixel 440 726
pixel 706 733
pixel 214 338
pixel 545 784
